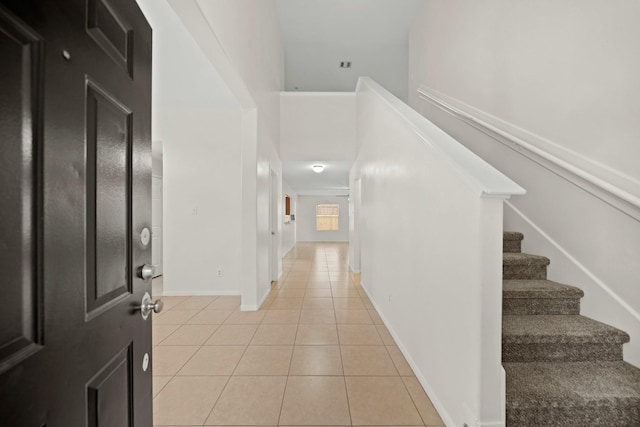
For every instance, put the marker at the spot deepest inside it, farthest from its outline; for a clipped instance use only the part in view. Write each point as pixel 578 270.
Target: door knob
pixel 146 271
pixel 147 306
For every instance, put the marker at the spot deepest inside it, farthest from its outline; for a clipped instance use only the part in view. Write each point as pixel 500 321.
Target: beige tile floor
pixel 316 354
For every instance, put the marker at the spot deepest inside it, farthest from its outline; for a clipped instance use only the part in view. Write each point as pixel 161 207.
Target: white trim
pixel 613 187
pixel 577 263
pixel 317 94
pixel 479 175
pixel 287 253
pixel 252 307
pixel 353 270
pixel 491 424
pixel 329 192
pixel 448 421
pixel 199 293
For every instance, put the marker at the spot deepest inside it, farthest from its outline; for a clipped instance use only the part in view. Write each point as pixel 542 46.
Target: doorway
pixel 157 173
pixel 274 203
pixel 355 200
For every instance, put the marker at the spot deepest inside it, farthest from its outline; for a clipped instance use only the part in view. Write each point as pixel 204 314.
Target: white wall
pixel 386 63
pixel 198 119
pixel 565 71
pixel 372 34
pixel 318 126
pixel 289 229
pixel 556 83
pixel 430 227
pixel 306 219
pixel 182 76
pixel 201 201
pixel 249 34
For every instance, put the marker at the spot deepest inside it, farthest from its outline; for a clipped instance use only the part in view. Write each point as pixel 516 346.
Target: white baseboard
pixel 496 424
pixel 288 250
pixel 255 307
pixel 448 421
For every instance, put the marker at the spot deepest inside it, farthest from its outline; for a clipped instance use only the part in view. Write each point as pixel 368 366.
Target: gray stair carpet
pixel 563 369
pixel 516 265
pixel 512 241
pixel 540 297
pixel 575 394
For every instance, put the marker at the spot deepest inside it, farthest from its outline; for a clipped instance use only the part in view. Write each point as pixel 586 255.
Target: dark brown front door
pixel 75 195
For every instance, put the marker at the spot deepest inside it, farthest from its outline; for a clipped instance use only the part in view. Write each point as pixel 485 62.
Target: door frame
pixel 354 237
pixel 158 154
pixel 274 246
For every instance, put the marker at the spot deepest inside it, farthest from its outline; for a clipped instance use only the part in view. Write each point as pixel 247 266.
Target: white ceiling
pixel 317 36
pixel 334 180
pixel 372 34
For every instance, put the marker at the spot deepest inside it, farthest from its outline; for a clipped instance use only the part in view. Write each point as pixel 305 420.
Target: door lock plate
pixel 145 236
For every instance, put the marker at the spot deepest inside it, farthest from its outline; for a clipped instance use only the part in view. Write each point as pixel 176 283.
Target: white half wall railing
pixel 581 213
pixel 429 228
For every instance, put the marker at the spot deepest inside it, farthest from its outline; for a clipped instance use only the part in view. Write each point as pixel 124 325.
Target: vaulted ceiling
pixel 317 36
pixel 371 34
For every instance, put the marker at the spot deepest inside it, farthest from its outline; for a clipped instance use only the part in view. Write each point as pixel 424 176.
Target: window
pixel 327 217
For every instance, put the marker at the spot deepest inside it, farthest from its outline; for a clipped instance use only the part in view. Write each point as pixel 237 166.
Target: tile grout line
pixel 186 362
pixel 344 374
pixel 336 282
pixel 229 378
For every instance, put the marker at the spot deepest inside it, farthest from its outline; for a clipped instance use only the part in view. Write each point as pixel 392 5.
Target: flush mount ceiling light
pixel 317 168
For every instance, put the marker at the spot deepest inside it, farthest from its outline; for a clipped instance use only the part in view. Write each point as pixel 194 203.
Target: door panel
pixel 108 196
pixel 75 184
pixel 20 113
pixel 110 30
pixel 109 393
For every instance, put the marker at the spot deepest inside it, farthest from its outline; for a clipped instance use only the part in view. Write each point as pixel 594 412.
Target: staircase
pixel 563 369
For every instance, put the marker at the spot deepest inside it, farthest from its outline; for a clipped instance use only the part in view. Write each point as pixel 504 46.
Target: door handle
pixel 273 233
pixel 147 306
pixel 146 271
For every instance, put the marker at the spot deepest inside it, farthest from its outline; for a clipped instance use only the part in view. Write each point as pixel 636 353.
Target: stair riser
pixel 618 416
pixel 548 352
pixel 529 306
pixel 511 246
pixel 524 272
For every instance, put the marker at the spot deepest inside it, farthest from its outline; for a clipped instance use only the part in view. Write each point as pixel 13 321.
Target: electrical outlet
pixel 194 211
pixel 220 273
pixel 389 297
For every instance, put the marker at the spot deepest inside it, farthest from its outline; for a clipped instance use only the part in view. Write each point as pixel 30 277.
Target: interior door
pixel 274 200
pixel 75 191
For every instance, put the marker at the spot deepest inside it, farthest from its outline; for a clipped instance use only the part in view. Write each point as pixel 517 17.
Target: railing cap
pixel 479 174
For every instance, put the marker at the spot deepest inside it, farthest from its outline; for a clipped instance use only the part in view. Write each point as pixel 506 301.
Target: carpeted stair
pixel 563 369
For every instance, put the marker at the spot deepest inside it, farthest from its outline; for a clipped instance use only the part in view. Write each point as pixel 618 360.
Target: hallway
pixel 316 354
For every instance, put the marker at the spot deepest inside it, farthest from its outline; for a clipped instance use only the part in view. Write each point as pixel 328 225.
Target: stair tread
pixel 540 289
pixel 512 235
pixel 519 258
pixel 554 329
pixel 572 384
